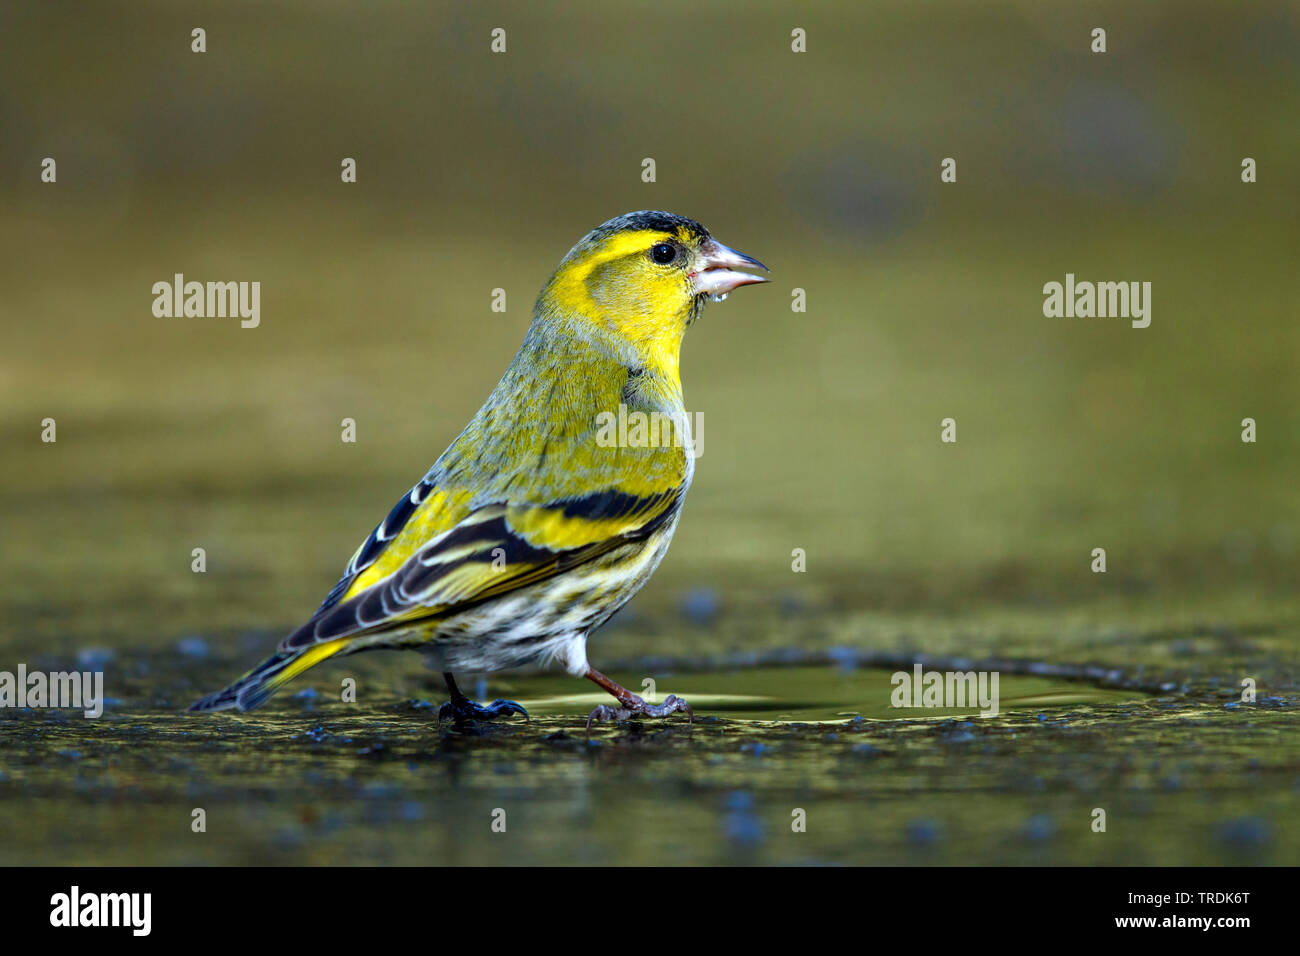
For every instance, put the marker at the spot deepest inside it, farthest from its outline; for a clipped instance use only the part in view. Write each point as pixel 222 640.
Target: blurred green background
pixel 821 429
pixel 478 171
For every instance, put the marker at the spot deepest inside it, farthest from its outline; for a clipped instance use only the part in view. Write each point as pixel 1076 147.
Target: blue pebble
pixel 743 828
pixel 922 832
pixel 1039 828
pixel 1244 831
pixel 701 605
pixel 845 659
pixel 94 658
pixel 193 646
pixel 739 800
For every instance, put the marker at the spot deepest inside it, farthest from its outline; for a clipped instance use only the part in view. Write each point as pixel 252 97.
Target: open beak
pixel 719 270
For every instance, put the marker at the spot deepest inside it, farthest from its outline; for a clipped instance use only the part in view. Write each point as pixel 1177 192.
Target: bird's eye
pixel 663 253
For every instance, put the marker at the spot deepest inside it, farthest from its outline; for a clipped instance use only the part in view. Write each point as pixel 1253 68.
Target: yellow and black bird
pixel 533 528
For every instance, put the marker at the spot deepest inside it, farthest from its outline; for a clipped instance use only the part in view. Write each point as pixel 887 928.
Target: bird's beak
pixel 718 272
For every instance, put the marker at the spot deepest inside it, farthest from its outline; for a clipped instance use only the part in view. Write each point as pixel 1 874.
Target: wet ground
pixel 795 756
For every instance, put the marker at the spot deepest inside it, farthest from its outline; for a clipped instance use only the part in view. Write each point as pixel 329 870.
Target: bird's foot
pixel 462 710
pixel 633 707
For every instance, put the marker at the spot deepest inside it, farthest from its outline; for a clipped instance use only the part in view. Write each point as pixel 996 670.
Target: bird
pixel 537 524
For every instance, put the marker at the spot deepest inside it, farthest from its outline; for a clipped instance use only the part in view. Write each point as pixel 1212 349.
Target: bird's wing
pixel 491 550
pixel 422 513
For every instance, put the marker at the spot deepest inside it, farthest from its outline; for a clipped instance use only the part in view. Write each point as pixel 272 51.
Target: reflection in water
pixel 801 694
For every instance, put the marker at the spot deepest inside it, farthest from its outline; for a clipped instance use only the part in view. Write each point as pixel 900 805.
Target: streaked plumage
pixel 528 533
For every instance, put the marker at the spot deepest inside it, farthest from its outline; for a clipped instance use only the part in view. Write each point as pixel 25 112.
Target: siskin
pixel 529 532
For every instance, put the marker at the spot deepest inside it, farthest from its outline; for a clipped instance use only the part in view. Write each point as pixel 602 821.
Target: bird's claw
pixel 462 710
pixel 638 708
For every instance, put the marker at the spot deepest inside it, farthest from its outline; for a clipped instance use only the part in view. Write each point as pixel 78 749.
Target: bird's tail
pixel 253 689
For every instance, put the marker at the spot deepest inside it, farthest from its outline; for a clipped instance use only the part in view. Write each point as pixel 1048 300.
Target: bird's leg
pixel 461 709
pixel 630 705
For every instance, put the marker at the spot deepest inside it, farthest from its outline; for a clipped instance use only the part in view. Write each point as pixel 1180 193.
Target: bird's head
pixel 643 278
